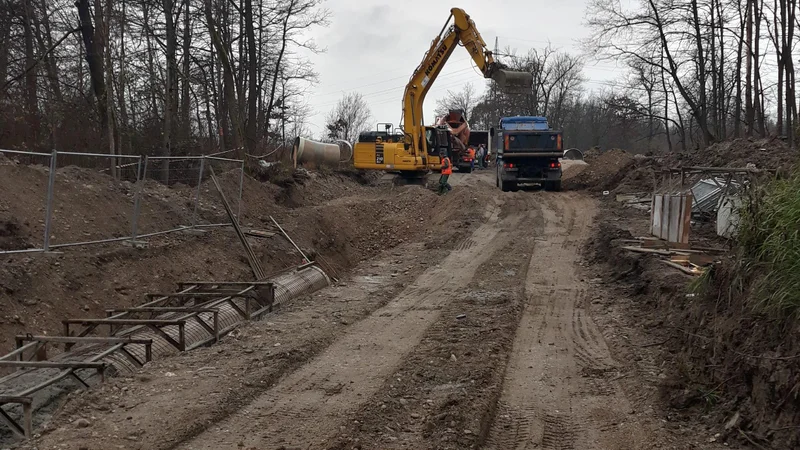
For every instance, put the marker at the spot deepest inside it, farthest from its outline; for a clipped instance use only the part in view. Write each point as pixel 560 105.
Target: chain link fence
pixel 70 199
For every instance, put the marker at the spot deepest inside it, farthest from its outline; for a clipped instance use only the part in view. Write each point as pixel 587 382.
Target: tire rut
pixel 308 407
pixel 559 391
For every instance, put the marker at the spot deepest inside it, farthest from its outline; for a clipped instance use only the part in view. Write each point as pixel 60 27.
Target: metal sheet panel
pixel 670 217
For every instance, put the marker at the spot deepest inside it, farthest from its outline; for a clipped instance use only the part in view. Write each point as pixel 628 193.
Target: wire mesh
pixel 88 204
pixel 145 197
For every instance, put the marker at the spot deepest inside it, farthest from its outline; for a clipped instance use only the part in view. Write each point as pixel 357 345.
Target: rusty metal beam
pixel 54 364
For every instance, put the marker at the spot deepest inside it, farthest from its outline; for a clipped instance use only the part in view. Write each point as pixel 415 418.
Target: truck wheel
pixel 508 186
pixel 554 186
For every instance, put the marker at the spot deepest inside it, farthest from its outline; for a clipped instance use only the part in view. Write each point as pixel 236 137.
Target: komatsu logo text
pixel 436 58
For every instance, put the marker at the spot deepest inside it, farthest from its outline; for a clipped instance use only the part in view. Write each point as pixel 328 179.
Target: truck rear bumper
pixel 514 177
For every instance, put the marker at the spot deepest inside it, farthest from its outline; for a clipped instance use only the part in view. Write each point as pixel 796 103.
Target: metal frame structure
pixel 672 204
pixel 166 319
pixel 141 164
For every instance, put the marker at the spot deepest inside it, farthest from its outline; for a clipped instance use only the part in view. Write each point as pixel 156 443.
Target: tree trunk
pixel 93 44
pixel 31 99
pixel 279 61
pixel 737 114
pixel 106 27
pixel 150 63
pixel 229 82
pixel 169 89
pixel 748 88
pixel 186 121
pixel 701 65
pixel 253 88
pixel 5 27
pixel 124 129
pixel 759 87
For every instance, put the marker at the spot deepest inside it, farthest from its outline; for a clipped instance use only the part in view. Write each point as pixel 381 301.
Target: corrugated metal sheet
pixel 707 194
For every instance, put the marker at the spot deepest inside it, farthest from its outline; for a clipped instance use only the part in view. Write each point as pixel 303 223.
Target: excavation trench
pixel 47 385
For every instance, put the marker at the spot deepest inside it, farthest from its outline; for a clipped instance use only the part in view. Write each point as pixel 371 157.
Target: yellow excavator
pixel 413 150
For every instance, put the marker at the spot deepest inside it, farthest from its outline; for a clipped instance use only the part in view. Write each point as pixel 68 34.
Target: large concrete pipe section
pixel 306 151
pixel 573 154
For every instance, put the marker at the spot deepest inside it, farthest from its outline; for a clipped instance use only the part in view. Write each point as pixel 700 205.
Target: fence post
pixel 241 183
pixel 51 181
pixel 141 176
pixel 197 196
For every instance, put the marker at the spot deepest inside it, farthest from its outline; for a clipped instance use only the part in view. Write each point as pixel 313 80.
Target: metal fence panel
pixel 82 204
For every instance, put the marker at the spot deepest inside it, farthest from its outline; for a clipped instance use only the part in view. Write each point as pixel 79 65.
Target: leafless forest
pixel 175 77
pixel 696 72
pixel 152 77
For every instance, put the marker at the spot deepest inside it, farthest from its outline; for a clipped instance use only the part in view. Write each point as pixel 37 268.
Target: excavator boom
pixel 421 144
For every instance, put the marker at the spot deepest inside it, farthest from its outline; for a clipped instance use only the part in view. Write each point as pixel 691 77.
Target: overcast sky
pixel 374 45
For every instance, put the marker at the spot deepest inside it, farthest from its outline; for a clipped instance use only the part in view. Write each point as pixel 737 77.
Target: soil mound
pixel 770 153
pixel 603 171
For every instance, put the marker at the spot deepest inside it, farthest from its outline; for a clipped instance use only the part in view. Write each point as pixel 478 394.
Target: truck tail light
pixel 508 165
pixel 558 141
pixel 554 165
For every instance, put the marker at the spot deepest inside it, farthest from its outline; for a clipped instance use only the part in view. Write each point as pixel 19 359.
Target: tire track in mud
pixel 308 406
pixel 559 391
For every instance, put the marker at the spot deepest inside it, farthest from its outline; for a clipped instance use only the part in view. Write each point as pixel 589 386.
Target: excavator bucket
pixel 513 82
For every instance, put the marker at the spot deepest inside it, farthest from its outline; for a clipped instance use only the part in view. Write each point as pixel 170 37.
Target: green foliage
pixel 769 246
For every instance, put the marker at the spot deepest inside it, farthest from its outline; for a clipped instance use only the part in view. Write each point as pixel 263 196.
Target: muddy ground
pixel 472 320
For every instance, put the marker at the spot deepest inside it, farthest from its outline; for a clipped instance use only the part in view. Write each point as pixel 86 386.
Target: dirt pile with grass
pixel 726 360
pixel 623 173
pixel 769 153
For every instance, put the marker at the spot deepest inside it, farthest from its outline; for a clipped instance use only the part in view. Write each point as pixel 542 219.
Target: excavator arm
pixel 462 32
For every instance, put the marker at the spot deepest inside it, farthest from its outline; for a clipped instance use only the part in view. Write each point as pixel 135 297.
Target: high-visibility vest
pixel 447 168
pixel 472 153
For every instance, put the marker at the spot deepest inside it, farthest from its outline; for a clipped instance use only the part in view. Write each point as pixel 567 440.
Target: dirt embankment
pixel 403 231
pixel 332 216
pixel 717 358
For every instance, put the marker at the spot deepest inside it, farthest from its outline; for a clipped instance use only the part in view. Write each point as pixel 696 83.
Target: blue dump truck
pixel 528 152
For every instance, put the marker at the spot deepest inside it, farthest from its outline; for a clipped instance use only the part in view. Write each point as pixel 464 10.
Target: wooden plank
pixel 658 243
pixel 654 251
pixel 683 269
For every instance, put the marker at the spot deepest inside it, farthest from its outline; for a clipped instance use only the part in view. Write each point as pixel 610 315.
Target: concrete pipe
pixel 573 154
pixel 306 151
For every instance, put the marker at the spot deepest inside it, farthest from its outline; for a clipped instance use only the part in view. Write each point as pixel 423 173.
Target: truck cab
pixel 528 152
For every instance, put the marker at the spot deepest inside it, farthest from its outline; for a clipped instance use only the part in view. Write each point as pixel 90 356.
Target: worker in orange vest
pixel 471 154
pixel 447 170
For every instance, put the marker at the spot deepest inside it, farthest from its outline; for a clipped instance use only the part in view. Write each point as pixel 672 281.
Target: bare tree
pixel 464 100
pixel 348 118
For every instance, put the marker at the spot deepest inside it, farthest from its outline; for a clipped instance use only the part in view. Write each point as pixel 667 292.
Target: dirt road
pixel 491 344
